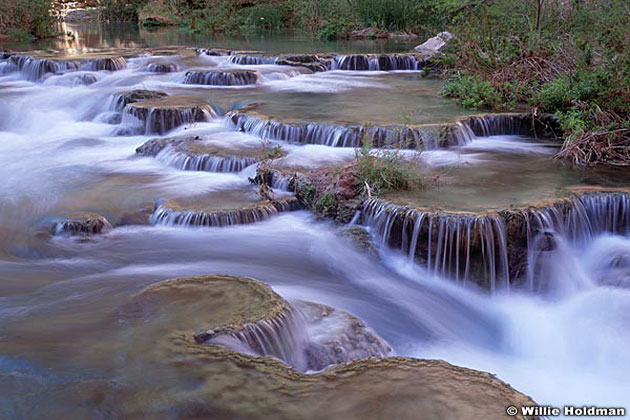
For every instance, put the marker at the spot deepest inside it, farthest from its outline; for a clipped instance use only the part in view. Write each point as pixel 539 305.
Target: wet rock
pixel 163 67
pixel 170 213
pixel 221 77
pixel 114 63
pixel 81 225
pixel 360 238
pixel 193 154
pixel 166 317
pixel 336 337
pixel 433 46
pixel 163 115
pixel 378 62
pixel 122 99
pixel 139 217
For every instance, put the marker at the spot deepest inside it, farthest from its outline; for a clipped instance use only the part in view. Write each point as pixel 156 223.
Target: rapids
pixel 62 152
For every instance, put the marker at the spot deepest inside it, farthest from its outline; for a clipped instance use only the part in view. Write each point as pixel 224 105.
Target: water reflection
pixel 88 36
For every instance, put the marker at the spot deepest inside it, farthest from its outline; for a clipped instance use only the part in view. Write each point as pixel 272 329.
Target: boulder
pixel 434 45
pixel 84 224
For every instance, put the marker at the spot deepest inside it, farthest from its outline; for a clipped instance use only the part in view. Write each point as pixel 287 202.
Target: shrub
pixel 470 91
pixel 19 18
pixel 383 170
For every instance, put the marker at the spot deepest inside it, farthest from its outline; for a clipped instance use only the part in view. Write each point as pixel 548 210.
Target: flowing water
pixel 63 151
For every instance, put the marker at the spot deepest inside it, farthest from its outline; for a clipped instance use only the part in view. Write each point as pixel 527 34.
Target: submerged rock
pixel 164 340
pixel 221 77
pixel 81 224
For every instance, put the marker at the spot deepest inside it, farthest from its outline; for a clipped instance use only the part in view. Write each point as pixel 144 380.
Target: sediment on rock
pixel 35 69
pixel 494 250
pixel 122 99
pixel 168 214
pixel 191 154
pixel 164 115
pixel 221 77
pixel 163 67
pixel 166 318
pixel 427 136
pixel 105 63
pixel 81 224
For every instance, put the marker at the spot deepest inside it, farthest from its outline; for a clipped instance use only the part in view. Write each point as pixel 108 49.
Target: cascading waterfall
pixel 282 336
pixel 578 220
pixel 35 69
pixel 377 62
pixel 506 245
pixel 453 246
pixel 163 215
pixel 329 134
pixel 148 120
pixel 104 64
pixel 252 60
pixel 221 78
pixel 305 335
pixel 120 100
pixel 204 162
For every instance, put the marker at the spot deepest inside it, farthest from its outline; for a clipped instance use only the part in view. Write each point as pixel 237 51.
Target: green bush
pixel 383 170
pixel 19 18
pixel 264 16
pixel 470 91
pixel 567 89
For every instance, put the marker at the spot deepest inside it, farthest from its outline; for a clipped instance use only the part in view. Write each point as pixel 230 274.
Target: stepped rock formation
pixel 425 136
pixel 192 154
pixel 163 115
pixel 122 99
pixel 221 77
pixel 494 249
pixel 171 214
pixel 227 384
pixel 35 68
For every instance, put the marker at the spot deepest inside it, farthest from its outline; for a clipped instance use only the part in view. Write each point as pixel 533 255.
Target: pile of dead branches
pixel 599 146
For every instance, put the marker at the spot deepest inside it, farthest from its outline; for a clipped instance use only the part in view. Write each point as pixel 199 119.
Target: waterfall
pixel 221 78
pixel 466 248
pixel 148 120
pixel 105 63
pixel 329 134
pixel 163 67
pixel 497 250
pixel 377 62
pixel 163 215
pixel 204 162
pixel 305 335
pixel 120 100
pixel 282 336
pixel 252 60
pixel 35 69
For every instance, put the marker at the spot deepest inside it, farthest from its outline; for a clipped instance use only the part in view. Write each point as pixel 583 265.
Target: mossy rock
pixel 214 381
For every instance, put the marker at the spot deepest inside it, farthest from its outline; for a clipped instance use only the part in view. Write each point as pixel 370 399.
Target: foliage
pixel 121 10
pixel 383 170
pixel 470 91
pixel 567 58
pixel 22 19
